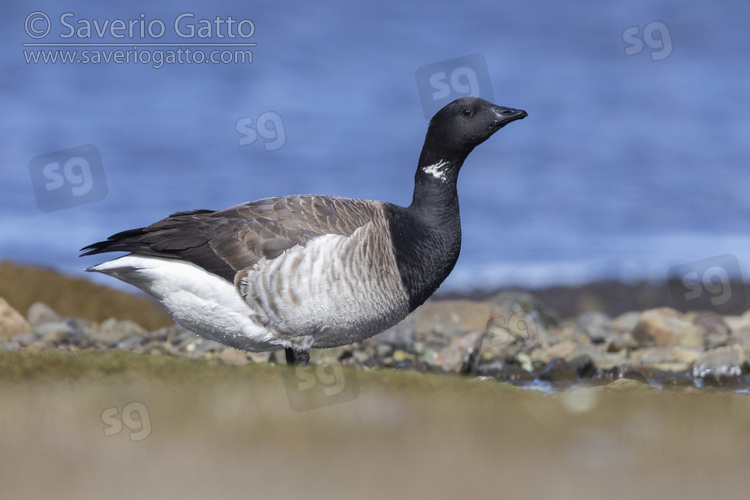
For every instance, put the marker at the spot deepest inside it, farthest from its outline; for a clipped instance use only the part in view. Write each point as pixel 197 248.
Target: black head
pixel 461 126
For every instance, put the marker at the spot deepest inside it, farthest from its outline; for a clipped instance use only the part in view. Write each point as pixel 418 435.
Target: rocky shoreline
pixel 511 337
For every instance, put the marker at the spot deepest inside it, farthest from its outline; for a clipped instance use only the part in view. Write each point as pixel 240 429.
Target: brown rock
pixel 666 327
pixel 451 317
pixel 11 322
pixel 459 356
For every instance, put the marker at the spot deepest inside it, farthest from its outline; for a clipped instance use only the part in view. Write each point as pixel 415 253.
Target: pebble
pixel 657 347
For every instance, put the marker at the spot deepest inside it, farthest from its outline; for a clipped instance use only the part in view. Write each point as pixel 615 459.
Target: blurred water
pixel 625 166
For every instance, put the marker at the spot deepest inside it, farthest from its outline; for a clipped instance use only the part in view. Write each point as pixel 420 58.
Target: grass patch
pixel 23 285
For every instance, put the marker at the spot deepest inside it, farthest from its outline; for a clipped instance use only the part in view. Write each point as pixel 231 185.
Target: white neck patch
pixel 435 170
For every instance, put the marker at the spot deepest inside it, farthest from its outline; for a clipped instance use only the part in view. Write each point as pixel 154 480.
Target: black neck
pixel 427 234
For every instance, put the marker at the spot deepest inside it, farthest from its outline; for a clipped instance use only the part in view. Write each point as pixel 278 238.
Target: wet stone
pixel 673 380
pixel 558 371
pixel 632 373
pixel 515 373
pixel 584 366
pixel 720 362
pixel 492 369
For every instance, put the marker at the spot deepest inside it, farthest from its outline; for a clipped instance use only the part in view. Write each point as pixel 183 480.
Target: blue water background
pixel 625 167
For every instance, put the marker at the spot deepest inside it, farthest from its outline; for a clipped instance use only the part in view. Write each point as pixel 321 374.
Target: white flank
pixel 198 300
pixel 329 289
pixel 435 170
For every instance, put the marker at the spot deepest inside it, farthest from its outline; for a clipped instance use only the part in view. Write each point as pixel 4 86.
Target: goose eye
pixel 467 112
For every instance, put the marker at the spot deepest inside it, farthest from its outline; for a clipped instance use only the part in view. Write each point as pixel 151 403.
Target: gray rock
pixel 493 368
pixel 401 335
pixel 198 347
pixel 596 325
pixel 10 345
pixel 24 339
pixel 40 313
pixel 172 333
pixel 183 335
pixel 53 332
pixel 132 343
pixel 112 331
pixel 460 355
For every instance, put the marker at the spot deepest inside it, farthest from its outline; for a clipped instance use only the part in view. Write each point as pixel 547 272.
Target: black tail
pixel 126 241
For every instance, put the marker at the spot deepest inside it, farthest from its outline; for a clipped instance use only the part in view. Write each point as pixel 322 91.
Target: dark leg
pixel 294 357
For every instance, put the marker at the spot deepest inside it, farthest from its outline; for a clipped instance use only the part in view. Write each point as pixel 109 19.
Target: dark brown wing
pixel 226 241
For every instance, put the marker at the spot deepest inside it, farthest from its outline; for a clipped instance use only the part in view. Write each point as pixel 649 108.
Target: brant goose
pixel 309 271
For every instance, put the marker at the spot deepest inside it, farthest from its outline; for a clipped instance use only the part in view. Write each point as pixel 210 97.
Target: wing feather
pixel 227 241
